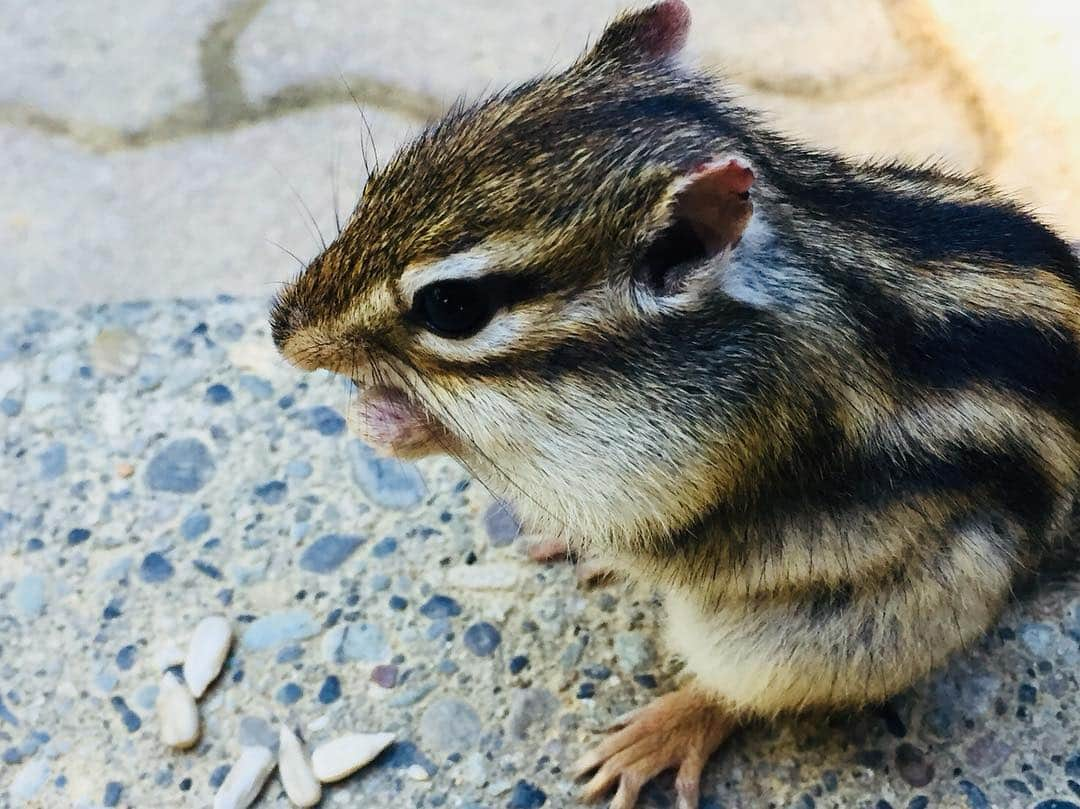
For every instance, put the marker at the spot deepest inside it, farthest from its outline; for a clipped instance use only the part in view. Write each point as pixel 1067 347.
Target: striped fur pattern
pixel 837 452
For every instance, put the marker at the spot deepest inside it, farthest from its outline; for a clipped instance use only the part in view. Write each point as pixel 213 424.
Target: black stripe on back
pixel 1013 354
pixel 927 228
pixel 825 478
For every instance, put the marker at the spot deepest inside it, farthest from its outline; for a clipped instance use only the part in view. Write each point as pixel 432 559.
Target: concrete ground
pixel 160 464
pixel 148 153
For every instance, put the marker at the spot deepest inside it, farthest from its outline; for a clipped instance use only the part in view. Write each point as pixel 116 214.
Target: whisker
pixel 380 370
pixel 444 445
pixel 335 167
pixel 288 252
pixel 367 124
pixel 363 143
pixel 432 395
pixel 303 204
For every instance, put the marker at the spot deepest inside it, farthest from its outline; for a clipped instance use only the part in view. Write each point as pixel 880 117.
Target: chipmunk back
pixel 830 409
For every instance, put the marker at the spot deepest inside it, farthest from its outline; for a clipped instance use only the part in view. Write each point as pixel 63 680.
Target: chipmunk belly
pixel 850 646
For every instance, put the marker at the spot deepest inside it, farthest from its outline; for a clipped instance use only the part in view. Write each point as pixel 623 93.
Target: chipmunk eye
pixel 453 309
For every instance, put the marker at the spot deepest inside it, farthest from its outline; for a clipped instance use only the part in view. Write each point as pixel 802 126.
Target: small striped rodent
pixel 829 409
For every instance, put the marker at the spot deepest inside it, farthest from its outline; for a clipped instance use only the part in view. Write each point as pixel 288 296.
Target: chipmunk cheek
pixel 391 423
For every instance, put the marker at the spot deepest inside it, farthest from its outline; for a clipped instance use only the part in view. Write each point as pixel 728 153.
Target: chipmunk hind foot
pixel 680 731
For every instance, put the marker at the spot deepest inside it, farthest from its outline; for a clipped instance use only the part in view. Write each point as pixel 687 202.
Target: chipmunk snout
pixel 286 318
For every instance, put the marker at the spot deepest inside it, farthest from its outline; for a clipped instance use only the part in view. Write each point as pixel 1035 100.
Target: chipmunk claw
pixel 551 549
pixel 679 730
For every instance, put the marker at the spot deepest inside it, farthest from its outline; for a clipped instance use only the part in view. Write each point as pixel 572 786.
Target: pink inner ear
pixel 666 28
pixel 716 202
pixel 730 174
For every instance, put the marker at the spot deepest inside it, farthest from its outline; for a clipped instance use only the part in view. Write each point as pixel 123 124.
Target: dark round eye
pixel 454 309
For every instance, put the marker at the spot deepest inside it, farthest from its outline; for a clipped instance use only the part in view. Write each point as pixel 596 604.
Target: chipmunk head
pixel 523 284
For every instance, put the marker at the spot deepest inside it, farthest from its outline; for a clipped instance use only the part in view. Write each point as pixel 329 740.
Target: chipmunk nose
pixel 298 340
pixel 286 318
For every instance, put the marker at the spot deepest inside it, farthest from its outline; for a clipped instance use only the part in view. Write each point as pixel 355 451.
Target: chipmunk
pixel 830 410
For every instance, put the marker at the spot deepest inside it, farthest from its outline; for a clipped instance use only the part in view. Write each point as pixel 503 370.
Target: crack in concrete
pixel 192 119
pixel 225 105
pixel 837 88
pixel 918 28
pixel 223 86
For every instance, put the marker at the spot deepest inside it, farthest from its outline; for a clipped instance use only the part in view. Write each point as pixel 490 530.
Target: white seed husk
pixel 343 756
pixel 206 653
pixel 294 769
pixel 177 712
pixel 246 778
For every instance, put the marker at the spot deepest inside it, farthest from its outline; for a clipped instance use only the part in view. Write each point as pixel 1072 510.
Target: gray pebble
pixel 449 726
pixel 53 461
pixel 913 765
pixel 324 420
pixel 298 469
pixel 439 628
pixel 113 791
pixel 387 482
pixel 146 697
pixel 331 644
pixel 280 628
pixel 245 575
pixel 328 552
pixel 571 655
pixel 412 696
pixel 289 654
pixel 482 639
pixel 272 492
pixel 1039 639
pixel 987 752
pixel 380 582
pixel 255 732
pixel 182 466
pixel 155 568
pixel 633 650
pixel 385 676
pixel 501 524
pixel 28 595
pixel 6 715
pixel 258 387
pixel 195 525
pixel 440 606
pixel 32 743
pixel 366 643
pixel 530 708
pixel 29 780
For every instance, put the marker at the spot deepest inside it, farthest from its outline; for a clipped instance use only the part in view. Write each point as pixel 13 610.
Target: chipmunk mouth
pixel 394 424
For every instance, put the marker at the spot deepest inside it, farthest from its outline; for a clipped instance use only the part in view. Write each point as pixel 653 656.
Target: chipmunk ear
pixel 710 208
pixel 652 33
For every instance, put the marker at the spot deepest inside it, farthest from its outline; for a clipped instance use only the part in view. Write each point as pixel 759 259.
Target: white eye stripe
pixel 535 324
pixel 501 333
pixel 465 265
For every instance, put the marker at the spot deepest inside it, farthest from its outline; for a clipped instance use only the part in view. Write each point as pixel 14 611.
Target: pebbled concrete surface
pixel 93 94
pixel 160 464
